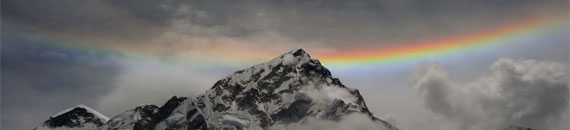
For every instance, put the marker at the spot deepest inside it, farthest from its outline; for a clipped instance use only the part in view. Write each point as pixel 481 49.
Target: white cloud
pixel 328 94
pixel 517 92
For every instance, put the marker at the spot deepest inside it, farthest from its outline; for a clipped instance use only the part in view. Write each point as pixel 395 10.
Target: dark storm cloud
pixel 40 80
pixel 518 92
pixel 335 21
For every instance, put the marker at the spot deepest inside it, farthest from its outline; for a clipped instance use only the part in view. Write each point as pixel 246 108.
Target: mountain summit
pixel 284 92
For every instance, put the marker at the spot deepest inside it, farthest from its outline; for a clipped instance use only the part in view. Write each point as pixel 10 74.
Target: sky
pixel 439 65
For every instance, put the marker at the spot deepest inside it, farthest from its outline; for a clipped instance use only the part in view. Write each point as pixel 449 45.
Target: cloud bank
pixel 517 92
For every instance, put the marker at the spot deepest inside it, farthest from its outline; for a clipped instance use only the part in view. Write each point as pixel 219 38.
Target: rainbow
pixel 230 55
pixel 483 39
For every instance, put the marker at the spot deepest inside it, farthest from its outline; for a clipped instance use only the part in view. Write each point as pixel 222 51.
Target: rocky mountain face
pixel 274 95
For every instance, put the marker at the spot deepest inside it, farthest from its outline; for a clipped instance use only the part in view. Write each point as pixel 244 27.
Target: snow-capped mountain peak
pixel 292 57
pixel 78 117
pixel 275 94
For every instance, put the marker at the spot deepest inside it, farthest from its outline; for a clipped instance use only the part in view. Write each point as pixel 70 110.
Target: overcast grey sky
pixel 56 54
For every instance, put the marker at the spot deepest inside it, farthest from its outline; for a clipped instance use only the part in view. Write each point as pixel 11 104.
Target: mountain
pixel 79 117
pixel 283 91
pixel 287 91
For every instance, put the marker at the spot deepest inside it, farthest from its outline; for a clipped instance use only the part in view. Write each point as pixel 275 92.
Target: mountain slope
pixel 284 92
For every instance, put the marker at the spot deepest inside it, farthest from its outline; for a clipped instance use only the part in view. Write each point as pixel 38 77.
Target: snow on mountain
pixel 288 91
pixel 76 118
